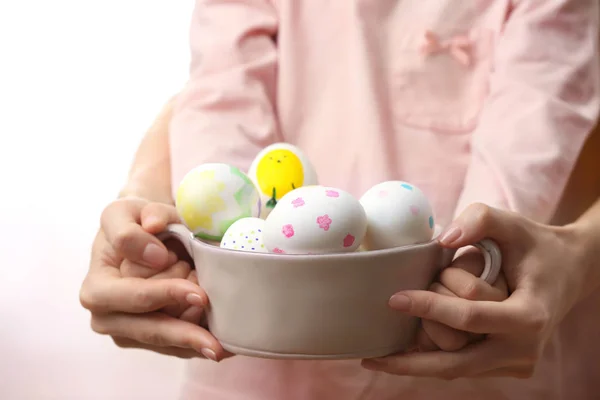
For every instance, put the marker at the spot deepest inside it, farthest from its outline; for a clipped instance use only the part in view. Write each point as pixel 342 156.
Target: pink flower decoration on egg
pixel 278 251
pixel 332 193
pixel 383 193
pixel 324 222
pixel 299 202
pixel 348 240
pixel 288 231
pixel 414 210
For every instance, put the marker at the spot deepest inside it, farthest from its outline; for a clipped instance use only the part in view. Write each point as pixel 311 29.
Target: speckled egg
pixel 315 220
pixel 398 214
pixel 211 197
pixel 279 169
pixel 245 234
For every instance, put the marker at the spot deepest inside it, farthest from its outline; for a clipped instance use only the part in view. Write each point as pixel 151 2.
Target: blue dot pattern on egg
pixel 250 239
pixel 406 186
pixel 431 222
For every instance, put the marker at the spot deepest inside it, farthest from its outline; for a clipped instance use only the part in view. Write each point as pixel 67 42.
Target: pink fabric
pixel 484 100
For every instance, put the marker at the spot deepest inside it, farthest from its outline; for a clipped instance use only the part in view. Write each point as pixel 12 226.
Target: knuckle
pixel 88 297
pixel 186 341
pixel 470 290
pixel 85 297
pixel 125 238
pixel 537 319
pixel 426 306
pixel 467 318
pixel 454 342
pixel 142 299
pixel 480 212
pixel 153 338
pixel 449 375
pixel 98 326
pixel 152 209
pixel 121 342
pixel 106 214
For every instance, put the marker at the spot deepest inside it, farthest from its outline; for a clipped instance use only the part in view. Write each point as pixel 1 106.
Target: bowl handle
pixel 491 254
pixel 180 233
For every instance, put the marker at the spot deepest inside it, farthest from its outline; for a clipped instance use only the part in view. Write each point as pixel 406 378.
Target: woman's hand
pixel 543 270
pixel 461 280
pixel 137 291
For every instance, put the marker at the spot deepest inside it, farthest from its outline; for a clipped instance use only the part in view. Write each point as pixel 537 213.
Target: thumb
pixel 156 216
pixel 479 222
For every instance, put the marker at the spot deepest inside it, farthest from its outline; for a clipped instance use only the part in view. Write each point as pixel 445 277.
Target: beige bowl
pixel 331 306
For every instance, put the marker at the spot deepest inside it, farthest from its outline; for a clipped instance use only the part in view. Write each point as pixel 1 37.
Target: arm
pixel 150 174
pixel 225 113
pixel 587 227
pixel 543 102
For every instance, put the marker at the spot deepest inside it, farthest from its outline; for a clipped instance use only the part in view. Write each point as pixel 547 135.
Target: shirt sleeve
pixel 542 105
pixel 225 111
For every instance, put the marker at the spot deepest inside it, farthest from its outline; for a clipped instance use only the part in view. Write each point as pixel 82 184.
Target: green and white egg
pixel 211 197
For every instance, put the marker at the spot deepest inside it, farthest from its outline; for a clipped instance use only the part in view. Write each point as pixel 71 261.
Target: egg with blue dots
pixel 277 170
pixel 398 214
pixel 212 196
pixel 245 234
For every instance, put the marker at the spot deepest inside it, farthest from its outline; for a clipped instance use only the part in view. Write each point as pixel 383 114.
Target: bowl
pixel 330 306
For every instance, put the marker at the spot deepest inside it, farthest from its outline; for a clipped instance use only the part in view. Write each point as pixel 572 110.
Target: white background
pixel 80 81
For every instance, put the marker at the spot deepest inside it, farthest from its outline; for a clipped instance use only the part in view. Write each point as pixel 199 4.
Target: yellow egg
pixel 279 169
pixel 278 172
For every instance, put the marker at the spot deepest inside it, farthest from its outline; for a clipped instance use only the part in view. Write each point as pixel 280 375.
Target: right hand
pixel 136 289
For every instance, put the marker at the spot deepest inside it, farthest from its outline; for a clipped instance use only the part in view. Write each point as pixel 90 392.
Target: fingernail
pixel 450 236
pixel 208 353
pixel 400 302
pixel 195 299
pixel 153 254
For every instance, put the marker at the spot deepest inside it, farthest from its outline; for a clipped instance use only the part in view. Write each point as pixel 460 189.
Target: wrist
pixel 585 244
pixel 137 190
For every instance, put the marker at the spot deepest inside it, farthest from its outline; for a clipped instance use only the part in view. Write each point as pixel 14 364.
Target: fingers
pixel 160 330
pixel 436 336
pixel 176 269
pixel 126 343
pixel 193 315
pixel 135 295
pixel 121 225
pixel 423 340
pixel 468 286
pixel 476 359
pixel 443 337
pixel 479 221
pixel 471 316
pixel 156 216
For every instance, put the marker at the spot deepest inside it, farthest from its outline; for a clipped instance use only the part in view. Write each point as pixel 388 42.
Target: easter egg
pixel 315 220
pixel 279 169
pixel 211 197
pixel 245 234
pixel 398 214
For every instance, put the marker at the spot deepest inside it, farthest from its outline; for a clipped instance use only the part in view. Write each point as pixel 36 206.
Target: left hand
pixel 542 266
pixel 461 279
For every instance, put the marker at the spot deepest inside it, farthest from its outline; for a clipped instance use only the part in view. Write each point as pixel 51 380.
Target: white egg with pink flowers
pixel 315 220
pixel 398 214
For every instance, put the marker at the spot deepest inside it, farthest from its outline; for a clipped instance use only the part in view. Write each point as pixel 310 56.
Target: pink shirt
pixel 476 100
